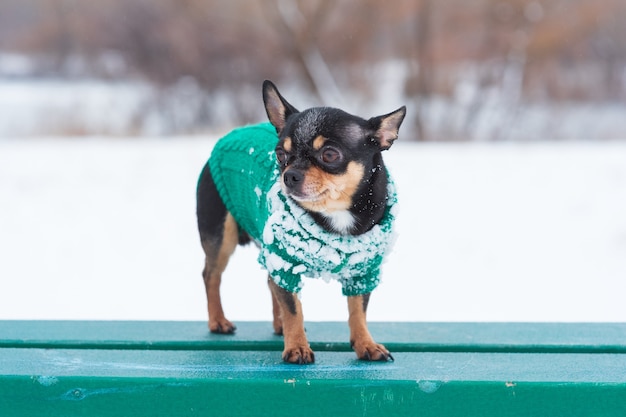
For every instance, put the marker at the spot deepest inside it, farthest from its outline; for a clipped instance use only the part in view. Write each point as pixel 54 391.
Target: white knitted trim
pixel 317 252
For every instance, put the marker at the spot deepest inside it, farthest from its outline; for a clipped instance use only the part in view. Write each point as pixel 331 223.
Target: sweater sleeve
pixel 362 284
pixel 284 273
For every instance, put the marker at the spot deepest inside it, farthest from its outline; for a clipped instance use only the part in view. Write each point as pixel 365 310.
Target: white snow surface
pixel 105 229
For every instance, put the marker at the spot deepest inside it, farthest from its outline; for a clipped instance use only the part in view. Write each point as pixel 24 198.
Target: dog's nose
pixel 293 178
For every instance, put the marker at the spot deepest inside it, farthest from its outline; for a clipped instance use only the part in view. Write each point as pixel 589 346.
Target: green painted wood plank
pixel 333 336
pixel 442 369
pixel 123 397
pixel 74 382
pixel 408 366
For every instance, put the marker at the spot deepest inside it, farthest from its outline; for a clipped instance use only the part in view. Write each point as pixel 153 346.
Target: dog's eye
pixel 330 155
pixel 281 155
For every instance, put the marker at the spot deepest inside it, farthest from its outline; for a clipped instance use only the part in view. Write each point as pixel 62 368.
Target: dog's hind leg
pixel 215 264
pixel 219 236
pixel 297 349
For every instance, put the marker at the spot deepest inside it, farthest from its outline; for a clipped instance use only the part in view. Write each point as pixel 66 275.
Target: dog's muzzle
pixel 293 179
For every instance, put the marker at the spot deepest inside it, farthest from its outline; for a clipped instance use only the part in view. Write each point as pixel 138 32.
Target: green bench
pixel 93 368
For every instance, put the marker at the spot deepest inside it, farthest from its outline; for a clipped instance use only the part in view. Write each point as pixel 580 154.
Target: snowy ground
pixel 105 229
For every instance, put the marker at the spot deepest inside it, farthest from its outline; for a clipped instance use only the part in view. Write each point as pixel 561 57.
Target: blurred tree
pixel 298 25
pixel 421 66
pixel 475 55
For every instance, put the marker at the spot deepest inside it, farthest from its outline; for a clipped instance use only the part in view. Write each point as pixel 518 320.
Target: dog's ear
pixel 387 126
pixel 277 108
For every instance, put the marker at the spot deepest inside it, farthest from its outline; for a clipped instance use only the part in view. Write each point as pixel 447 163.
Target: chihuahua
pixel 310 189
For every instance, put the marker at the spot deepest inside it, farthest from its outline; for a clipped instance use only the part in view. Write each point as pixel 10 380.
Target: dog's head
pixel 325 154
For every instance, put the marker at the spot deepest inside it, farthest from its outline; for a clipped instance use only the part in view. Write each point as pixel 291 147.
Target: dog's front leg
pixel 360 338
pixel 297 349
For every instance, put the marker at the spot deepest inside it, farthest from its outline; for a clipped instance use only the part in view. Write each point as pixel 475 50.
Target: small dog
pixel 312 191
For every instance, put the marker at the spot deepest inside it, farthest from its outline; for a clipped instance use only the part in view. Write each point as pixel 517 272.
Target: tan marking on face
pixel 318 142
pixel 287 144
pixel 328 192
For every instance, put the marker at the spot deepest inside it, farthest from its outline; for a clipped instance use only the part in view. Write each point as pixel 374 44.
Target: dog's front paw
pixel 300 355
pixel 371 351
pixel 222 326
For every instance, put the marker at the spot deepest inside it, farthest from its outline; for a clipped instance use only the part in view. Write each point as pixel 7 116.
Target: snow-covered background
pixel 523 218
pixel 104 228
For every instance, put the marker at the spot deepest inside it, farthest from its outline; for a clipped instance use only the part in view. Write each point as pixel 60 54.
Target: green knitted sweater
pixel 244 169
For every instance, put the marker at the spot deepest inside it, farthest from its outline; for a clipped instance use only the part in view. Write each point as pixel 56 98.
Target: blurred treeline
pixel 369 56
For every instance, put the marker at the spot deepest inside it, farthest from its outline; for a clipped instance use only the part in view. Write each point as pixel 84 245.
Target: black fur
pixel 287 298
pixel 366 301
pixel 356 140
pixel 210 209
pixel 331 165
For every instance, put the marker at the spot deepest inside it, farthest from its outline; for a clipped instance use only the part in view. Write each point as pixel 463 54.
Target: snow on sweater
pixel 244 168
